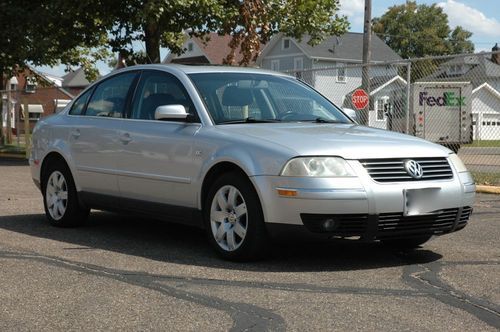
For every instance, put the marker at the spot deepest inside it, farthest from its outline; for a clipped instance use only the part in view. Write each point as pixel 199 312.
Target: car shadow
pixel 168 242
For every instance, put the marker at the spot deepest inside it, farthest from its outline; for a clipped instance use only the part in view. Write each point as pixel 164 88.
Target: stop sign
pixel 359 99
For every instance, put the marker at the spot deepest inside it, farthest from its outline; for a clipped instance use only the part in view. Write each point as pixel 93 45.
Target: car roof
pixel 195 69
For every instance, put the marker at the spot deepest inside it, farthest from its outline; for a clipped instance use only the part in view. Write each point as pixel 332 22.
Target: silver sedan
pixel 246 154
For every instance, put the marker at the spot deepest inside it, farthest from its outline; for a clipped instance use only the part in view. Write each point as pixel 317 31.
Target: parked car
pixel 246 154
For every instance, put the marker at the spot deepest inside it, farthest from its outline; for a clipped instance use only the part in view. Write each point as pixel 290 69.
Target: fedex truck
pixel 442 112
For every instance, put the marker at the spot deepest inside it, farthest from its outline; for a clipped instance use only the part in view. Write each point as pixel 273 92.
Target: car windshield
pixel 253 98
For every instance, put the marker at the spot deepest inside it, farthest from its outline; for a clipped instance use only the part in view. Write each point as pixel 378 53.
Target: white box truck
pixel 442 112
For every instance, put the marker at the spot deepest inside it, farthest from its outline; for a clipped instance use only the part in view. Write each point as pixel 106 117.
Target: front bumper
pixel 360 206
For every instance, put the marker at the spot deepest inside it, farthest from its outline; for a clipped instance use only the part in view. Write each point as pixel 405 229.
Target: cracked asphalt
pixel 125 273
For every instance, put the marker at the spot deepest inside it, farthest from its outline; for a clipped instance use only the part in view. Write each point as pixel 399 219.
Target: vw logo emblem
pixel 413 169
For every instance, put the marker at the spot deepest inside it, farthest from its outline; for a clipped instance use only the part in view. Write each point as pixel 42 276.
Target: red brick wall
pixel 45 94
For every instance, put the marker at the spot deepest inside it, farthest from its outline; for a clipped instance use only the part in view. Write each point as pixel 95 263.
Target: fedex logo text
pixel 447 99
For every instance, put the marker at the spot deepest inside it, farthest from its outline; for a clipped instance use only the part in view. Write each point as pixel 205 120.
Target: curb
pixel 12 155
pixel 487 189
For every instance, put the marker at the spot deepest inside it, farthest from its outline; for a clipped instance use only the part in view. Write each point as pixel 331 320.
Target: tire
pixel 60 198
pixel 234 220
pixel 407 244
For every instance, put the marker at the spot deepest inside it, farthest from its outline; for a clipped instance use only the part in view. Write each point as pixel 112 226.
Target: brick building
pixel 44 94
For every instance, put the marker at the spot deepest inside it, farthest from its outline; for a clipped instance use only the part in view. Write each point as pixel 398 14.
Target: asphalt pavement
pixel 125 273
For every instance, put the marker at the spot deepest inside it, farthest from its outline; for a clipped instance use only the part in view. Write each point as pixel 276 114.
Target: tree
pixel 162 23
pixel 420 30
pixel 40 33
pixel 44 33
pixel 460 41
pixel 253 23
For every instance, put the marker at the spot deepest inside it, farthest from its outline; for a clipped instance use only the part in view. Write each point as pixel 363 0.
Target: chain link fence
pixel 23 107
pixel 449 100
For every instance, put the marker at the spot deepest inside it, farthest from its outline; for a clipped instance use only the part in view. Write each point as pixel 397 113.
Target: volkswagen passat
pixel 245 154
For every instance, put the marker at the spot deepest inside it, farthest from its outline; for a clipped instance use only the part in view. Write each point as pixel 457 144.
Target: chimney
pixel 122 60
pixel 495 57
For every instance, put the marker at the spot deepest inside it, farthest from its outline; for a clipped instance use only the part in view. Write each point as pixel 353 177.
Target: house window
pixel 298 67
pixel 341 72
pixel 30 84
pixel 190 47
pixel 35 111
pixel 382 104
pixel 275 65
pixel 286 43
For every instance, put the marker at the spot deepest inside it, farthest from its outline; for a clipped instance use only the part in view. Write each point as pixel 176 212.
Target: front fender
pixel 252 161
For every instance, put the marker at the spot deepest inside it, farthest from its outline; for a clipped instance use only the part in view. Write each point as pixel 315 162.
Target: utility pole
pixel 367 40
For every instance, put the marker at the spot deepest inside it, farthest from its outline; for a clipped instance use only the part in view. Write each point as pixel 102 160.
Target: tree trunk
pixel 152 38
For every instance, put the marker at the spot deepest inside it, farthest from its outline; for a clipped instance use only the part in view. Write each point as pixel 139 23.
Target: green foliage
pixel 254 22
pixel 251 22
pixel 420 30
pixel 83 32
pixel 44 33
pixel 459 41
pixel 488 179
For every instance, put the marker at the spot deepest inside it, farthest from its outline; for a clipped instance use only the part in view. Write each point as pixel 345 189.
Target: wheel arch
pixel 51 157
pixel 215 171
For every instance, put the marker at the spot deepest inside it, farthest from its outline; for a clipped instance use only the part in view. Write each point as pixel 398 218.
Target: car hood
pixel 349 141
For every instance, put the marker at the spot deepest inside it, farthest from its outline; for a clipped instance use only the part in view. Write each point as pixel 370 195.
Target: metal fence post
pixel 408 97
pixel 26 128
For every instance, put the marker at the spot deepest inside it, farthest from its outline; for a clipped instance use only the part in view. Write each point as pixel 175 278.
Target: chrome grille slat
pixel 392 170
pixel 396 223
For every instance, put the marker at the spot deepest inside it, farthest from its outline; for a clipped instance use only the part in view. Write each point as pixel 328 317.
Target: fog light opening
pixel 329 224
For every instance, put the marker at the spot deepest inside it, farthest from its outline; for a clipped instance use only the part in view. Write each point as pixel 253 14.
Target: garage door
pixel 490 127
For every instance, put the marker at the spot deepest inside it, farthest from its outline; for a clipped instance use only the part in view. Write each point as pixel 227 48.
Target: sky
pixel 481 17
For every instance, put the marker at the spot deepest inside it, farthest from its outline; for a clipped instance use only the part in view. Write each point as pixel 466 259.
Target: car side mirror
pixel 351 113
pixel 171 112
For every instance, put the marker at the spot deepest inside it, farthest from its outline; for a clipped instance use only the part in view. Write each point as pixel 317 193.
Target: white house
pixel 334 66
pixel 483 72
pixel 486 113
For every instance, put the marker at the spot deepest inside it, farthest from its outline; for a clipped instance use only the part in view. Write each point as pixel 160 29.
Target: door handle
pixel 75 133
pixel 125 138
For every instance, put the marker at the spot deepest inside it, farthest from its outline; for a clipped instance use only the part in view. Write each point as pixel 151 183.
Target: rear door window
pixel 110 96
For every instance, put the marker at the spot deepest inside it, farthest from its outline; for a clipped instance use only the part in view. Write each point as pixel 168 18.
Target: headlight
pixel 457 163
pixel 318 167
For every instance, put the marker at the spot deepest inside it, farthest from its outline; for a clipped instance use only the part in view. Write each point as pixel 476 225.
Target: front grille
pixel 392 170
pixel 389 225
pixel 396 224
pixel 464 217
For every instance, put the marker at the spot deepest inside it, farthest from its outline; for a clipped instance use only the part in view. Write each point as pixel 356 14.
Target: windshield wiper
pixel 323 120
pixel 250 120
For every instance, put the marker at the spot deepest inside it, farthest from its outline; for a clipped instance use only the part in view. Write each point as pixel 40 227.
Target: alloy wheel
pixel 56 195
pixel 228 218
